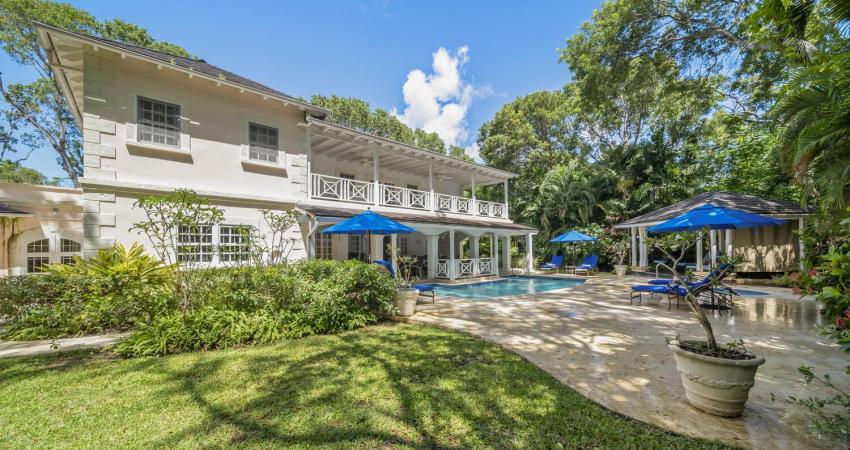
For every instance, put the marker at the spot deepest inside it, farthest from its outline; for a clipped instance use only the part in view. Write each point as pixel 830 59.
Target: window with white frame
pixel 233 241
pixel 195 243
pixel 262 143
pixel 324 246
pixel 50 250
pixel 38 255
pixel 68 249
pixel 402 245
pixel 355 246
pixel 158 122
pixel 346 176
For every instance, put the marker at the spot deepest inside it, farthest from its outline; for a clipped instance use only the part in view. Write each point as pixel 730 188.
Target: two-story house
pixel 154 122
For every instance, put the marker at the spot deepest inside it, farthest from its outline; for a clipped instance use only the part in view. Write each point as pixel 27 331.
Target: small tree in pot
pixel 617 248
pixel 406 294
pixel 717 379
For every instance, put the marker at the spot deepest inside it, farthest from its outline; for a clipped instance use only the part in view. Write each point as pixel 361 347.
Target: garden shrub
pixel 248 305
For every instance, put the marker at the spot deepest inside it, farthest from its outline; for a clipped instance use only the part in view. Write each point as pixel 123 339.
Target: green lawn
pixel 388 386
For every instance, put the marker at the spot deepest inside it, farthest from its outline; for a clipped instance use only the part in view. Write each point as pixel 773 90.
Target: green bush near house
pixel 251 305
pixel 123 289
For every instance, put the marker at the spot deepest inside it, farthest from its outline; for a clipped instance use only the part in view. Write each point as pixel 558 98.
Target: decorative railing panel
pixel 404 197
pixel 335 188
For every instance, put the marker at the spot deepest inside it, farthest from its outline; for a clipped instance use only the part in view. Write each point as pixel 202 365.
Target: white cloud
pixel 474 152
pixel 438 102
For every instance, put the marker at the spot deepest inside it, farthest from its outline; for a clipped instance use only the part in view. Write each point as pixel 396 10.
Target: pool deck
pixel 591 338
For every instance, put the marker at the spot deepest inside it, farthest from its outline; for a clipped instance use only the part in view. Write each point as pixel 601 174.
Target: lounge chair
pixel 554 264
pixel 705 288
pixel 425 290
pixel 588 265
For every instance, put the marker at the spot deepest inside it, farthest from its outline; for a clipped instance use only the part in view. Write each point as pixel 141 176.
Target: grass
pixel 388 386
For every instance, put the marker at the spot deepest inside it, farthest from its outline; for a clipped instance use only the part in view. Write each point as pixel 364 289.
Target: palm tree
pixel 816 140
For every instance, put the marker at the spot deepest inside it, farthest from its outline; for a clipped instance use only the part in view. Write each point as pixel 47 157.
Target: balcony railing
pixel 466 268
pixel 327 187
pixel 333 188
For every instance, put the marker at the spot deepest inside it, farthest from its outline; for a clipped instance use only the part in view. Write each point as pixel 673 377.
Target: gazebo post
pixel 634 247
pixel 700 267
pixel 712 238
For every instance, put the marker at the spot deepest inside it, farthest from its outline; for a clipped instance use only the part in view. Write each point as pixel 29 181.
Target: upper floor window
pixel 158 122
pixel 262 143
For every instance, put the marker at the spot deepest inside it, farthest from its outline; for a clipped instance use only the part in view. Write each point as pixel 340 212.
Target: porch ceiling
pixel 344 213
pixel 354 147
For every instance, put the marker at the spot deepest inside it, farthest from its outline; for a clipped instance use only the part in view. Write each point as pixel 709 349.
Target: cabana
pixel 764 249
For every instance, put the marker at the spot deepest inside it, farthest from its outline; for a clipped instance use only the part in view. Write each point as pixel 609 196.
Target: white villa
pixel 154 122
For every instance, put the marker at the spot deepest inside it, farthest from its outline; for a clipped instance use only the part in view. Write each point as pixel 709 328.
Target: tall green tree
pixel 40 104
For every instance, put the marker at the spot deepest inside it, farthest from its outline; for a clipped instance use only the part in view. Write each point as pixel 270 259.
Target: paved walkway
pixel 590 338
pixel 27 348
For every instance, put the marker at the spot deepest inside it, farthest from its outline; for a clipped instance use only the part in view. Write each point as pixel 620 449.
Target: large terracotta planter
pixel 717 386
pixel 621 269
pixel 405 301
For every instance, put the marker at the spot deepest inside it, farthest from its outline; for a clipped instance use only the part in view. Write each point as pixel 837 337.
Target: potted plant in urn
pixel 717 379
pixel 618 250
pixel 406 294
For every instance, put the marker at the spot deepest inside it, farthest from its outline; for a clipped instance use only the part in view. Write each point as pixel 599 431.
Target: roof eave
pixel 47 29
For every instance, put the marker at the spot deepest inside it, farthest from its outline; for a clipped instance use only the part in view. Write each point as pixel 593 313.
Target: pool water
pixel 507 286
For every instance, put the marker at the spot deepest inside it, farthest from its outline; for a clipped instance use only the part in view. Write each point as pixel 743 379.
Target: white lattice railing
pixel 405 197
pixel 453 203
pixel 465 268
pixel 334 188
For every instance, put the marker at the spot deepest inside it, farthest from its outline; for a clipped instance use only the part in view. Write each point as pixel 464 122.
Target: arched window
pixel 49 250
pixel 38 254
pixel 68 249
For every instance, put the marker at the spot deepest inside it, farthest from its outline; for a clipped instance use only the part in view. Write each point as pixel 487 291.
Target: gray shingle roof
pixel 415 218
pixel 8 210
pixel 743 202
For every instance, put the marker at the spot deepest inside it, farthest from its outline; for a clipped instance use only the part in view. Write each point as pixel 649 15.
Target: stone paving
pixel 28 348
pixel 593 340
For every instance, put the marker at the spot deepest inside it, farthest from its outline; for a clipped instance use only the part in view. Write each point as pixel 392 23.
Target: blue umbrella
pixel 573 236
pixel 368 223
pixel 715 218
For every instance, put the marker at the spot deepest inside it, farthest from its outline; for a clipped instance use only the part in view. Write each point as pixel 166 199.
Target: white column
pixel 712 241
pixel 729 243
pixel 506 199
pixel 802 246
pixel 506 253
pixel 700 267
pixel 473 204
pixel 475 253
pixel 529 252
pixel 433 247
pixel 376 252
pixel 644 251
pixel 452 273
pixel 431 186
pixel 494 253
pixel 634 247
pixel 393 256
pixel 377 199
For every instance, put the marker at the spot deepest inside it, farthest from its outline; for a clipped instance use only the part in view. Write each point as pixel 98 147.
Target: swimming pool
pixel 506 286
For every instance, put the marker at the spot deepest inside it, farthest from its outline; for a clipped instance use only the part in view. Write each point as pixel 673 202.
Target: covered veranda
pixel 764 249
pixel 446 248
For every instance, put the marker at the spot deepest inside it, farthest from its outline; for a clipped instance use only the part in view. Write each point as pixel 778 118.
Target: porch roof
pixel 352 146
pixel 8 211
pixel 734 200
pixel 342 213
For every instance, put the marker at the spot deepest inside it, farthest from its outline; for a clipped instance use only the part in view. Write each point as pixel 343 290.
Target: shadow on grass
pixel 385 386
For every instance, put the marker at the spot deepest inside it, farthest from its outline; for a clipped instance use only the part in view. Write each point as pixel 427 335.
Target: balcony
pixel 326 187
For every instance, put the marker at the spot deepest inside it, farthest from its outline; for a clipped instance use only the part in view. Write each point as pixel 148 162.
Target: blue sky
pixel 367 49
